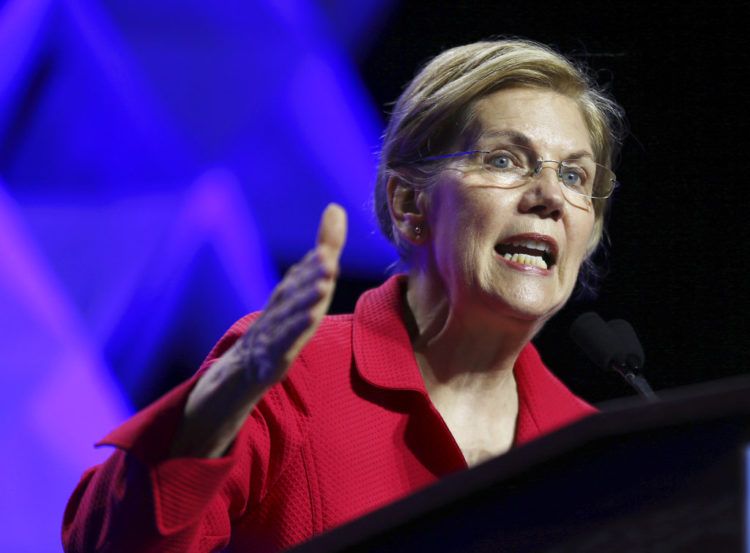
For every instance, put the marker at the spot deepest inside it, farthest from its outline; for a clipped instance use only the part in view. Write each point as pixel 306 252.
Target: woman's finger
pixel 332 229
pixel 303 299
pixel 299 272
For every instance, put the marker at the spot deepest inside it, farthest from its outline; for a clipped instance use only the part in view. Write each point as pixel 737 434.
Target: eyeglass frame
pixel 535 171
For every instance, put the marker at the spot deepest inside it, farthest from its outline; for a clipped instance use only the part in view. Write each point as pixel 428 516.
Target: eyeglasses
pixel 512 165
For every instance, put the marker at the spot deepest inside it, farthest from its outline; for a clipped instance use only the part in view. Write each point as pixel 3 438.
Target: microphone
pixel 632 355
pixel 613 346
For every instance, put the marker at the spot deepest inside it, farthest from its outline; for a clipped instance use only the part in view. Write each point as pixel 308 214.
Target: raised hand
pixel 233 385
pixel 296 308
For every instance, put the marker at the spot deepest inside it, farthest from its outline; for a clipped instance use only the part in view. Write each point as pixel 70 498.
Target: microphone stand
pixel 630 373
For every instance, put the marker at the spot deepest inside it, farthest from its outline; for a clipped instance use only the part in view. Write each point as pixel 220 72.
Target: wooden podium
pixel 661 477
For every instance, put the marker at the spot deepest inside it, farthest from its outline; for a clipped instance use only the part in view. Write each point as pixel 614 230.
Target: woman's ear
pixel 407 207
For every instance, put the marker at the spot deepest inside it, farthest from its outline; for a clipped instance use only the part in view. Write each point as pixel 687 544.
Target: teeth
pixel 532 244
pixel 524 259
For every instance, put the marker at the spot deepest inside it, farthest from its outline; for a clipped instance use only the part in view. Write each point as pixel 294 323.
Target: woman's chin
pixel 527 304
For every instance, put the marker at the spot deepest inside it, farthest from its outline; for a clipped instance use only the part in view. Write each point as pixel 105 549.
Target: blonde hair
pixel 434 114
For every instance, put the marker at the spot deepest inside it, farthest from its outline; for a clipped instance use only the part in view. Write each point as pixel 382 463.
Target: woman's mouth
pixel 531 252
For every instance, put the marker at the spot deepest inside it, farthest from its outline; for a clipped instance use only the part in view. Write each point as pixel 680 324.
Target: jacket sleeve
pixel 142 500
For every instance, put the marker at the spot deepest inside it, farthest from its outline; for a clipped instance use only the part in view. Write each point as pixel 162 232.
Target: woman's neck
pixel 462 347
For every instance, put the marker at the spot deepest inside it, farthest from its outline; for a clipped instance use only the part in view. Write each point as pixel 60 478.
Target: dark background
pixel 677 265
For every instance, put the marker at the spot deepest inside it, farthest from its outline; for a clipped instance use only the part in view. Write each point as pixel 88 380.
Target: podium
pixel 656 477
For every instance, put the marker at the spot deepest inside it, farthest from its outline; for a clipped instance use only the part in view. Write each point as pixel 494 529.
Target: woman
pixel 493 184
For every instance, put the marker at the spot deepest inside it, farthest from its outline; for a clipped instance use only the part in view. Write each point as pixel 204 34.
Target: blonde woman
pixel 493 182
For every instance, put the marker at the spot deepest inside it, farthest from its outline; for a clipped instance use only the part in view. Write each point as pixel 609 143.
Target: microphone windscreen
pixel 596 339
pixel 629 339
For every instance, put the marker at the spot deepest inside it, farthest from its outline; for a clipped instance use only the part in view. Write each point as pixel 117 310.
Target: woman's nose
pixel 543 195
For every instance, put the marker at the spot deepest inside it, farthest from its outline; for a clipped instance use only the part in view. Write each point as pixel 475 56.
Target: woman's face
pixel 477 227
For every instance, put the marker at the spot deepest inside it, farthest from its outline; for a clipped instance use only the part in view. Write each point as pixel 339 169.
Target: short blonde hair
pixel 435 113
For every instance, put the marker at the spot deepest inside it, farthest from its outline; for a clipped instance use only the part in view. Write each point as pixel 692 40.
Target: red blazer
pixel 349 430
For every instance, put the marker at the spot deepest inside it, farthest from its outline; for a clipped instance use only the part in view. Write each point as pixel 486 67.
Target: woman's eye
pixel 574 177
pixel 500 161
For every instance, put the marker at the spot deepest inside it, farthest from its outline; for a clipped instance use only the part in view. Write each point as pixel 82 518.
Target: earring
pixel 418 231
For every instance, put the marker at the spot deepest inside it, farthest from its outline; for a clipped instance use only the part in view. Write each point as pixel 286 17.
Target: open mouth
pixel 535 253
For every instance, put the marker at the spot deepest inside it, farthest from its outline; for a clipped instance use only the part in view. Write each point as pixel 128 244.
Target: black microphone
pixel 632 355
pixel 613 346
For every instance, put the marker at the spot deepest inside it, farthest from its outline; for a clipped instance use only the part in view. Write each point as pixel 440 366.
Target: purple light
pixel 60 399
pixel 21 22
pixel 107 239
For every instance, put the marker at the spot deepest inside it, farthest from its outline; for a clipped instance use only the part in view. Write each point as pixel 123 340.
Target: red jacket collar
pixel 378 321
pixel 544 402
